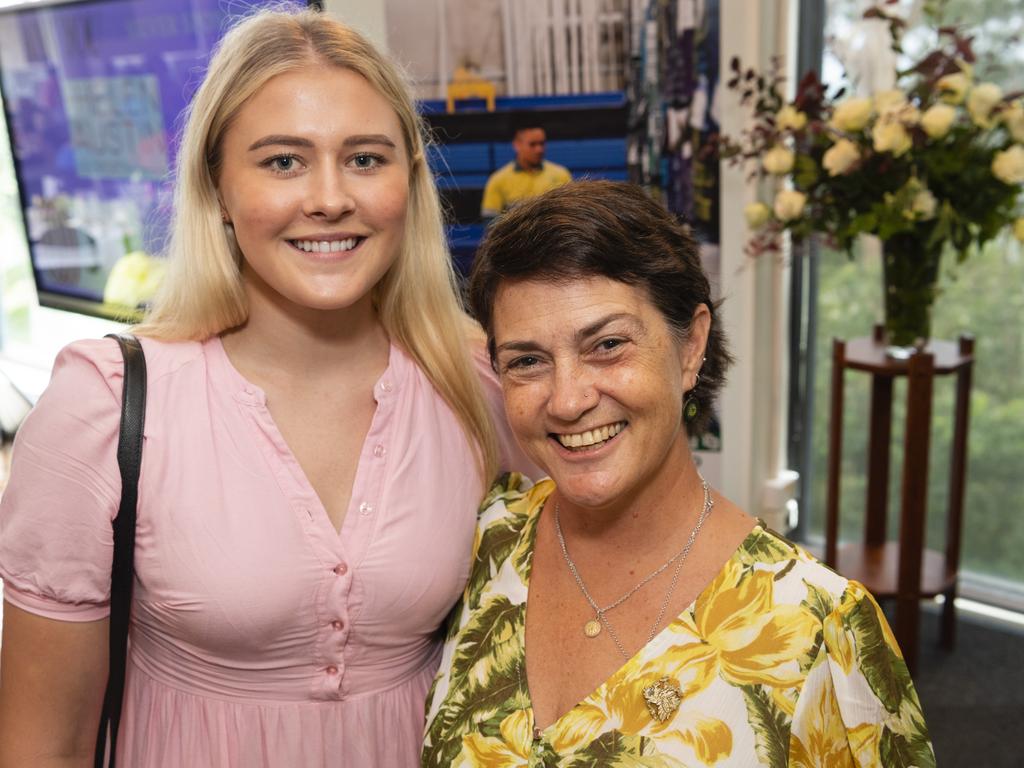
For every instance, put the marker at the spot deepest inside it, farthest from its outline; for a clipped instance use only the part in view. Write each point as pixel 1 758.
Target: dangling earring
pixel 690 409
pixel 690 406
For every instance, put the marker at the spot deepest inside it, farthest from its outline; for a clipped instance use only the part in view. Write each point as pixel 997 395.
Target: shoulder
pixel 100 359
pixel 165 358
pixel 794 576
pixel 503 172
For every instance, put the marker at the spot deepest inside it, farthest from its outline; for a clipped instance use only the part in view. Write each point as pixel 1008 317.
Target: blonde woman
pixel 317 440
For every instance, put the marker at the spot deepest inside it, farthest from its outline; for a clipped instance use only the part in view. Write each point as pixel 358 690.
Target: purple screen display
pixel 94 93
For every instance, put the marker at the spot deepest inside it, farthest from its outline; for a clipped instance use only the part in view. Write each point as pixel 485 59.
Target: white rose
pixel 1008 166
pixel 981 101
pixel 1018 229
pixel 908 114
pixel 789 204
pixel 889 101
pixel 790 118
pixel 1013 118
pixel 889 136
pixel 757 215
pixel 852 114
pixel 924 204
pixel 938 119
pixel 840 157
pixel 953 87
pixel 778 160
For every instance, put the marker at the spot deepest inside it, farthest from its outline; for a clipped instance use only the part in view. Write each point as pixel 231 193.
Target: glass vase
pixel 910 275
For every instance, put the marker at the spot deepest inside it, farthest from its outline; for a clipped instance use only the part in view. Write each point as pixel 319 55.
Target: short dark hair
pixel 610 229
pixel 526 123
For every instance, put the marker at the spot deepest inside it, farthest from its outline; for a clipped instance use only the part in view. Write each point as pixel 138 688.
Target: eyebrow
pixel 583 333
pixel 283 140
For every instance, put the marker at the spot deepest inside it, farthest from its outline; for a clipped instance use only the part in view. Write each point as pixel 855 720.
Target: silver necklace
pixel 593 627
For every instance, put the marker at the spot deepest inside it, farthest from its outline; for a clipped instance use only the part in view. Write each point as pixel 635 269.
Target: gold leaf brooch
pixel 663 698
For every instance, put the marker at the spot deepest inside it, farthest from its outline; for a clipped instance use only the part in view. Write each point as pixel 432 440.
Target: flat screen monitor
pixel 94 92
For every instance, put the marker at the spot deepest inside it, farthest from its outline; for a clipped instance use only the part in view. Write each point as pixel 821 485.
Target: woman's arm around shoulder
pixel 56 549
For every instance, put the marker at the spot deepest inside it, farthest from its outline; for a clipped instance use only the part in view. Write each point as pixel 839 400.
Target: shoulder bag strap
pixel 129 461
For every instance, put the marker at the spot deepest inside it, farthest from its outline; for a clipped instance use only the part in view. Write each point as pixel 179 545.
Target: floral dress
pixel 778 662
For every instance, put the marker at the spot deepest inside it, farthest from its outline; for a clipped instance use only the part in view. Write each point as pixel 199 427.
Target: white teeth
pixel 591 436
pixel 326 246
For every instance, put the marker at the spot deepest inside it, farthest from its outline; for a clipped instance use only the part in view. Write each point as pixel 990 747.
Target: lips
pixel 590 439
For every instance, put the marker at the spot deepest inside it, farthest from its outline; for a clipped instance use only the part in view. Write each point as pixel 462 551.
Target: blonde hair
pixel 417 300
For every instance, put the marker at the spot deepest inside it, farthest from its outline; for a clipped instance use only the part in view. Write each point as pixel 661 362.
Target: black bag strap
pixel 129 461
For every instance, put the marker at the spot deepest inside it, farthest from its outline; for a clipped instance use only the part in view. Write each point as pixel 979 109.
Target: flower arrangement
pixel 939 159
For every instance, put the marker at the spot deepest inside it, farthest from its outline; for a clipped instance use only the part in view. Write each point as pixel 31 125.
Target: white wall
pixel 753 405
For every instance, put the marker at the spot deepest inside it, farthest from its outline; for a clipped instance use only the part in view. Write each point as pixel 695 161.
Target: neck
pixel 671 498
pixel 287 339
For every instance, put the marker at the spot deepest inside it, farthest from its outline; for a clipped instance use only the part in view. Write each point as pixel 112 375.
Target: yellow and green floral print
pixel 779 662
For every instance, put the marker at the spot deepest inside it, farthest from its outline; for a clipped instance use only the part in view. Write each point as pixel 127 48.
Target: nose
pixel 572 392
pixel 328 196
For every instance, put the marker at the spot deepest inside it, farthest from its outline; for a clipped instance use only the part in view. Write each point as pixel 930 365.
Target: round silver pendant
pixel 592 628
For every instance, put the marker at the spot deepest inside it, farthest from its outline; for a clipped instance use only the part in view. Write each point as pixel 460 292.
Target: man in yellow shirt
pixel 526 176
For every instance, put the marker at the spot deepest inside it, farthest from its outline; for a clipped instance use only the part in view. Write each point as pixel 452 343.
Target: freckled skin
pixel 586 354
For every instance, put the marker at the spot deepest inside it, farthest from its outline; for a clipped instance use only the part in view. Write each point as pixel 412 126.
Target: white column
pixel 753 404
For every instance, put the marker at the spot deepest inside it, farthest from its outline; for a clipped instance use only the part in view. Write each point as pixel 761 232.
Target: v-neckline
pixel 531 532
pixel 253 395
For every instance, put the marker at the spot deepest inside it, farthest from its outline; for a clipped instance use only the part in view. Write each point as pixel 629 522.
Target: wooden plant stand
pixel 904 569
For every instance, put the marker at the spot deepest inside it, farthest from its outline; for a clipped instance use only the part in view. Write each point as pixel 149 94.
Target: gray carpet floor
pixel 973 696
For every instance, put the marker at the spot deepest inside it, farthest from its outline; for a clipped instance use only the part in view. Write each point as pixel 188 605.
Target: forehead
pixel 317 100
pixel 531 135
pixel 534 309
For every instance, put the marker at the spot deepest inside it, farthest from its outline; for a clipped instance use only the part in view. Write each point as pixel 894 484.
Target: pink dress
pixel 260 636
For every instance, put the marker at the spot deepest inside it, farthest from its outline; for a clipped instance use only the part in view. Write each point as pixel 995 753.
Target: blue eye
pixel 606 345
pixel 365 161
pixel 283 164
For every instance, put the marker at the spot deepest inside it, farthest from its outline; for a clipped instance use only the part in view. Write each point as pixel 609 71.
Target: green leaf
pixel 897 751
pixel 769 548
pixel 497 542
pixel 490 642
pixel 770 726
pixel 818 601
pixel 885 672
pixel 613 749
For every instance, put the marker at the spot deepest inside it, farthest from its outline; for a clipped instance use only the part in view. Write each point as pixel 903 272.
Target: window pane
pixel 982 296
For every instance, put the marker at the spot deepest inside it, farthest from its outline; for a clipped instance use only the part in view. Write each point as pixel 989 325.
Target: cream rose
pixel 840 157
pixel 889 101
pixel 757 215
pixel 924 204
pixel 953 87
pixel 981 100
pixel 789 204
pixel 790 118
pixel 778 160
pixel 852 114
pixel 1018 229
pixel 890 136
pixel 938 119
pixel 1013 118
pixel 1008 166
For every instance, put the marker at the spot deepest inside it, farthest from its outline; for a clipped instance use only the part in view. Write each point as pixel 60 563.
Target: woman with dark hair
pixel 665 626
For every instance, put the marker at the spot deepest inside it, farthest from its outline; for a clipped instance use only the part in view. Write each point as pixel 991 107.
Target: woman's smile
pixel 590 440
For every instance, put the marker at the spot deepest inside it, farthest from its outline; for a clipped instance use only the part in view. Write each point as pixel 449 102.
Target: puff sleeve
pixel 56 541
pixel 858 705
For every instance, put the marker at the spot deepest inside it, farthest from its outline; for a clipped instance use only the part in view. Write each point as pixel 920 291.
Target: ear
pixel 691 351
